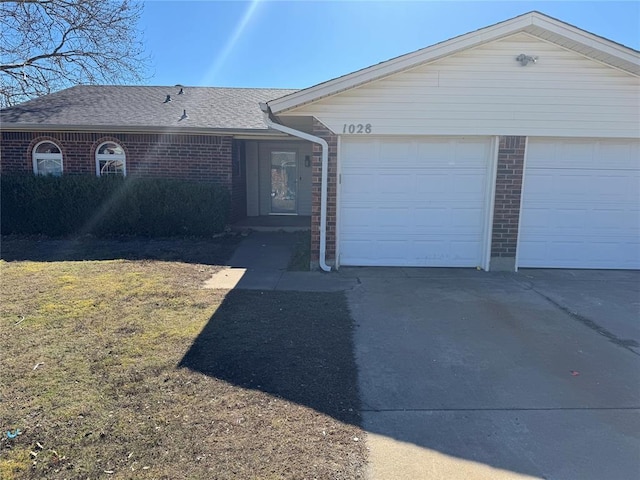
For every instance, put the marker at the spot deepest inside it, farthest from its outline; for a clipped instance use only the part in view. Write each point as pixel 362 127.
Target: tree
pixel 47 45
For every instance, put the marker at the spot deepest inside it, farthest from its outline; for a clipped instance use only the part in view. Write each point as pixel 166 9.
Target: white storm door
pixel 284 182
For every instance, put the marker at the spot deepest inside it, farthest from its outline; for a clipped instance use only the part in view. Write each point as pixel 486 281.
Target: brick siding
pixel 320 130
pixel 202 158
pixel 506 211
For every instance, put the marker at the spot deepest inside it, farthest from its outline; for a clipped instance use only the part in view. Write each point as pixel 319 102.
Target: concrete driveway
pixel 467 374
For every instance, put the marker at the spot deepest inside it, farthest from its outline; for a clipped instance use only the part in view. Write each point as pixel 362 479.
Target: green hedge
pixel 71 205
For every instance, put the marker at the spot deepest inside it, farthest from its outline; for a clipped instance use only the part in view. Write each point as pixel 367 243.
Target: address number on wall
pixel 356 128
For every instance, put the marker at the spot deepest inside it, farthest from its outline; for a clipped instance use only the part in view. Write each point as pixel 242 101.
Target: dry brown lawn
pixel 129 369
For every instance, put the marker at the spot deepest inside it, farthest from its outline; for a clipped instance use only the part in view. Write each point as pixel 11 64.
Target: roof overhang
pixel 236 132
pixel 534 23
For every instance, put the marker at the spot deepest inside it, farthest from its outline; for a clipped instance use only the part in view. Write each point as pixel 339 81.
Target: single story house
pixel 516 145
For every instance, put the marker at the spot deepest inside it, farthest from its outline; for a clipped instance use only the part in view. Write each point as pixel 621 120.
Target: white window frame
pixel 37 157
pixel 110 157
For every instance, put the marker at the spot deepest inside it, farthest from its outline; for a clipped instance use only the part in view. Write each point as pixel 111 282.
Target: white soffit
pixel 534 23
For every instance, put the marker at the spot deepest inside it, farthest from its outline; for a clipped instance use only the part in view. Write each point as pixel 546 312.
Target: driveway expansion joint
pixel 587 322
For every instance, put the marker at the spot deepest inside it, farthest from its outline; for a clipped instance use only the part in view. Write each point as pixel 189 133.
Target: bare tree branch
pixel 47 45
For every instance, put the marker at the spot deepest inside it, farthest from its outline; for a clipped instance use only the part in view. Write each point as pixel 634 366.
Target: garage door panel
pixel 472 152
pixel 358 184
pixel 581 204
pixel 396 151
pixel 571 254
pixel 432 152
pixel 546 190
pixel 398 218
pixel 457 221
pixel 411 252
pixel 539 185
pixel 466 219
pixel 616 221
pixel 355 219
pixel 467 185
pixel 429 219
pixel 395 184
pixel 430 184
pixel 421 202
pixel 568 220
pixel 360 250
pixel 613 188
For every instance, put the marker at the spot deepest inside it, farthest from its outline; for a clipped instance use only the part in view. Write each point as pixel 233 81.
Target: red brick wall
pixel 506 212
pixel 190 157
pixel 203 158
pixel 320 130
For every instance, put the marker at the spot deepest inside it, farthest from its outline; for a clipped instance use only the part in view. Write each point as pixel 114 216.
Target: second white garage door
pixel 413 201
pixel 581 204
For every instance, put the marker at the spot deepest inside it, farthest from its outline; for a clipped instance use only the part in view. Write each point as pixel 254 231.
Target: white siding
pixel 485 91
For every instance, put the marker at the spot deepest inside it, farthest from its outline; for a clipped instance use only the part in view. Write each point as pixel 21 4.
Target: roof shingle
pixel 141 106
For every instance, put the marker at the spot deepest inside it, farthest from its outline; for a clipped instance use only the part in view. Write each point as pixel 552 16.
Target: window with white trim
pixel 47 159
pixel 110 160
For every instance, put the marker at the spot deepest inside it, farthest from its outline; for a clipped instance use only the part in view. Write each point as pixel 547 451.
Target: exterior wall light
pixel 525 59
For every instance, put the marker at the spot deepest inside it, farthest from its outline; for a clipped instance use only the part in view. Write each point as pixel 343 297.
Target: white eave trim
pixel 619 56
pixel 612 53
pixel 243 132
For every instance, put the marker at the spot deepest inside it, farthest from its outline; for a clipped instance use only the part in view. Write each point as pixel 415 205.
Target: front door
pixel 284 182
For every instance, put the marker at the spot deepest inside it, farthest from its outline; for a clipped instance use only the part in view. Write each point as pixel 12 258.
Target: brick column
pixel 320 130
pixel 506 210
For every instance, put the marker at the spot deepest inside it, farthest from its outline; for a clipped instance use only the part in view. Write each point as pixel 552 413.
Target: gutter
pixel 323 190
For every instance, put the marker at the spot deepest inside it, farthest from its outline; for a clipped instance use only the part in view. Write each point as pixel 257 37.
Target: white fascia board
pixel 615 50
pixel 449 47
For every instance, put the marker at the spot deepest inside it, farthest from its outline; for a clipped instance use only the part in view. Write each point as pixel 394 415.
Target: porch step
pixel 273 223
pixel 263 228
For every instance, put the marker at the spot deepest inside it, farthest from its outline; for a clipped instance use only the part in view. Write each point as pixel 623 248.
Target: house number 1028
pixel 356 128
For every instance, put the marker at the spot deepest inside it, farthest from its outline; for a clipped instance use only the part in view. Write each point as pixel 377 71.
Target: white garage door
pixel 413 201
pixel 581 204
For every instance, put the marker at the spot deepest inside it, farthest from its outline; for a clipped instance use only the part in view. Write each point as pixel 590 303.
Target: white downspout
pixel 323 189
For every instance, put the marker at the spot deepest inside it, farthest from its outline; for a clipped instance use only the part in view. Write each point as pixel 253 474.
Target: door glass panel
pixel 284 182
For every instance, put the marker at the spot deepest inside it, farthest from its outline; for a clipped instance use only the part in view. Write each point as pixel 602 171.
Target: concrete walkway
pixel 260 263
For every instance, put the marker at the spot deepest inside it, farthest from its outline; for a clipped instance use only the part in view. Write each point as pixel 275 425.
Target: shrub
pixel 70 205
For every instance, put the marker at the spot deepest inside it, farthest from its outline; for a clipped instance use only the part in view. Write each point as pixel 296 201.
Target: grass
pixel 301 258
pixel 129 369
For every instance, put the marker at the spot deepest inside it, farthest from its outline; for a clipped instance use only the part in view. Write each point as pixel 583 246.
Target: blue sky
pixel 296 44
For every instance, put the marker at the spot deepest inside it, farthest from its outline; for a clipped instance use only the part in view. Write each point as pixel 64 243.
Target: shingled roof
pixel 144 108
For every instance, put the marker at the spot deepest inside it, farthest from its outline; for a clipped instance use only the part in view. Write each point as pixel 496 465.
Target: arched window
pixel 110 160
pixel 47 159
